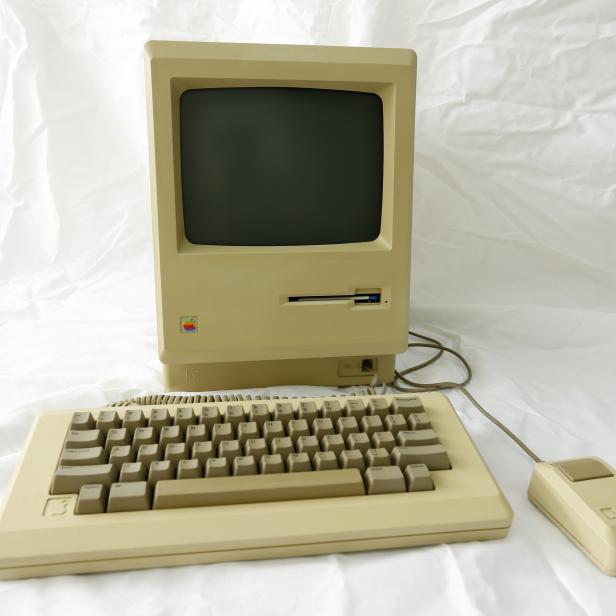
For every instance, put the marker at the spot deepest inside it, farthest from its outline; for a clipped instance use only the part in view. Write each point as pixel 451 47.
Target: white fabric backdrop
pixel 513 263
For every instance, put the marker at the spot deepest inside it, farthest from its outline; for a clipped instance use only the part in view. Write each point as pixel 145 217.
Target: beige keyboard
pixel 136 487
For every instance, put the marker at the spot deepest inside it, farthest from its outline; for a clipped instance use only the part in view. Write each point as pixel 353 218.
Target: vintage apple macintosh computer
pixel 281 191
pixel 281 186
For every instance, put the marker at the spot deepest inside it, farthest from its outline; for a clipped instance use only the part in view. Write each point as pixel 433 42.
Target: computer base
pixel 326 371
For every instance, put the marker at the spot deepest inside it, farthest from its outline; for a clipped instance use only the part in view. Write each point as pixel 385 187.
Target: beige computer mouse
pixel 579 496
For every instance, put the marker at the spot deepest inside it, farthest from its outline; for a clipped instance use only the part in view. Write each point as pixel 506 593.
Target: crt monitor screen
pixel 270 166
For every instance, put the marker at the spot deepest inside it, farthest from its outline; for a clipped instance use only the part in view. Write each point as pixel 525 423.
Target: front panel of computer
pixel 281 189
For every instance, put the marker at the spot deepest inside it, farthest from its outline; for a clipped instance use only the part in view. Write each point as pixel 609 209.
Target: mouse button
pixel 582 469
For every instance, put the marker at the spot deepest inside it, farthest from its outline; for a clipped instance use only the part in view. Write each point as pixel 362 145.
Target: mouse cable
pixel 409 386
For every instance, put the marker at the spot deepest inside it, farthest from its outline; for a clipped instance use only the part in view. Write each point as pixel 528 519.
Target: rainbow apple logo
pixel 189 325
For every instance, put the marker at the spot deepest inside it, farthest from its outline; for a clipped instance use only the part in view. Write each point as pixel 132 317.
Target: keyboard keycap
pixel 189 469
pixel 259 413
pixel 159 470
pixel 149 453
pixel 210 416
pixel 170 434
pixel 121 454
pixel 283 446
pixel 355 408
pixel 377 457
pixel 82 420
pixel 174 452
pixel 352 458
pixel 69 479
pixel 283 411
pixel 395 423
pixel 247 430
pixel 371 424
pixel 331 409
pixel 229 450
pixel 133 496
pixel 107 420
pixel 117 437
pixel 77 439
pixel 258 488
pixel 406 406
pixel 184 417
pixel 133 419
pixel 346 426
pixel 271 464
pixel 222 432
pixel 133 471
pixel 308 411
pixel 256 447
pixel 385 440
pixel 384 480
pixel 202 451
pixel 244 465
pixel 378 406
pixel 359 441
pixel 91 499
pixel 433 456
pixel 308 445
pixel 298 463
pixel 419 421
pixel 216 467
pixel 322 426
pixel 144 436
pixel 418 478
pixel 159 418
pixel 297 428
pixel 81 457
pixel 324 461
pixel 235 415
pixel 196 434
pixel 272 430
pixel 417 437
pixel 333 442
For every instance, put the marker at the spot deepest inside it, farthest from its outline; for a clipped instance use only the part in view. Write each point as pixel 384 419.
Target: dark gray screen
pixel 281 166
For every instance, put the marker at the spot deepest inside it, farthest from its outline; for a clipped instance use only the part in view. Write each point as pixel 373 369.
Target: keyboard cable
pixel 401 383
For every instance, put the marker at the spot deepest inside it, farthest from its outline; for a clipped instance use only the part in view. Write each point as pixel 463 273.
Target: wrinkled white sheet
pixel 513 263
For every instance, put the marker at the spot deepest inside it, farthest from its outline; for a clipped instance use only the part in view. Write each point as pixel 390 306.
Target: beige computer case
pixel 224 315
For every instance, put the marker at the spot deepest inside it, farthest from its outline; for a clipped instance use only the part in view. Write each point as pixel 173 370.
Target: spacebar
pixel 175 493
